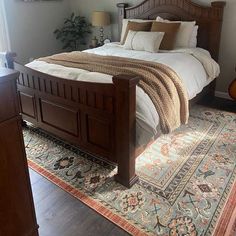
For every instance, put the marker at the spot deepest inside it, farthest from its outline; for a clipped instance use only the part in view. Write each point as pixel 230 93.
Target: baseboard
pixel 222 95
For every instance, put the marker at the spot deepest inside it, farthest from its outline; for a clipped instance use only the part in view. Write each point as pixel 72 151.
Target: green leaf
pixel 73 32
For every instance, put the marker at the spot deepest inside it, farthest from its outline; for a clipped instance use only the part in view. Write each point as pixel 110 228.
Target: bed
pixel 100 118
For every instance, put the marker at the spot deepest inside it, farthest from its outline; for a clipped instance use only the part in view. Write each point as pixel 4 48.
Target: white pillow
pixel 125 23
pixel 143 41
pixel 184 34
pixel 193 39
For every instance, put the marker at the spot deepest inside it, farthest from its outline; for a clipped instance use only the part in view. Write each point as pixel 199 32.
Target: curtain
pixel 4 39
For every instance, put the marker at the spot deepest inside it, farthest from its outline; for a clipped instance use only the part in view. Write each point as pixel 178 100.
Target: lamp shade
pixel 100 18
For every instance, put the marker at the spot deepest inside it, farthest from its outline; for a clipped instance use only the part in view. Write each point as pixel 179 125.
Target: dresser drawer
pixel 8 100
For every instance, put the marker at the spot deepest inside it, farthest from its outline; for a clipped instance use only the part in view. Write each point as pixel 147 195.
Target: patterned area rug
pixel 187 179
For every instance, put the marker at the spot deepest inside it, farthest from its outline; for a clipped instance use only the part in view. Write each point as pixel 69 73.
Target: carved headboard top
pixel 209 19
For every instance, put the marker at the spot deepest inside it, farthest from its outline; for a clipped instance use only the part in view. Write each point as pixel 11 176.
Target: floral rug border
pixel 226 223
pixel 89 201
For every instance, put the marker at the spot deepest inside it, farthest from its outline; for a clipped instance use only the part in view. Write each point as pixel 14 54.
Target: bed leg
pixel 211 93
pixel 23 123
pixel 125 128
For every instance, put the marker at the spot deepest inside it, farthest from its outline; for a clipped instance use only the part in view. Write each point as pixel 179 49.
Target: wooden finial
pixel 122 5
pixel 218 4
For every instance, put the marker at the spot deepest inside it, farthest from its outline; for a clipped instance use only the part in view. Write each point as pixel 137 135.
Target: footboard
pixel 98 117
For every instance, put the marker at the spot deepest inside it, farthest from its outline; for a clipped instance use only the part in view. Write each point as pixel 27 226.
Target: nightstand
pixel 91 46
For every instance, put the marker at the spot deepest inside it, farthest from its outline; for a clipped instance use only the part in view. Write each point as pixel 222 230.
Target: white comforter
pixel 195 67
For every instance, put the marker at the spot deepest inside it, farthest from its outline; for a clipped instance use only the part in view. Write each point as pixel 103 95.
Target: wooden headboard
pixel 209 19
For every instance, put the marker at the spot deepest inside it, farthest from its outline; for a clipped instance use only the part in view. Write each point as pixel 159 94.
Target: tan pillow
pixel 143 41
pixel 170 31
pixel 125 23
pixel 184 34
pixel 136 26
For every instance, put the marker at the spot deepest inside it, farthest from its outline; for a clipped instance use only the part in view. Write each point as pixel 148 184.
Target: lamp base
pixel 101 35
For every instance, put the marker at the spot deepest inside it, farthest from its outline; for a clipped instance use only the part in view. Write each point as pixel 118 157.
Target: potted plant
pixel 73 32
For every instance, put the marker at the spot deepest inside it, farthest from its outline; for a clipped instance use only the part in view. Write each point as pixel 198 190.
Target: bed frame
pixel 101 118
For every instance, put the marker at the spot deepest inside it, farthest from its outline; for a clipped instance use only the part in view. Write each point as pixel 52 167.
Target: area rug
pixel 186 186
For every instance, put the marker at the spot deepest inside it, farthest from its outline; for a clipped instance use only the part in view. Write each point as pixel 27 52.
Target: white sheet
pixel 194 66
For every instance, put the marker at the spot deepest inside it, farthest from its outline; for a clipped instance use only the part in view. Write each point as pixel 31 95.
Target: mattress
pixel 195 68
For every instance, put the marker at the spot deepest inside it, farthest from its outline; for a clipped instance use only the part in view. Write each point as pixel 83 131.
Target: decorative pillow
pixel 125 23
pixel 170 30
pixel 143 41
pixel 193 39
pixel 184 34
pixel 136 26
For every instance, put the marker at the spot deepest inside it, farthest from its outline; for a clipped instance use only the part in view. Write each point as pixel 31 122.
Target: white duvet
pixel 195 68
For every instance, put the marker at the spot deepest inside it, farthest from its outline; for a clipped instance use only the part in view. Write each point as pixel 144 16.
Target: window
pixel 4 40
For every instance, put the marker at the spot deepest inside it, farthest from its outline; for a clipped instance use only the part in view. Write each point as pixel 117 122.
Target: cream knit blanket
pixel 160 82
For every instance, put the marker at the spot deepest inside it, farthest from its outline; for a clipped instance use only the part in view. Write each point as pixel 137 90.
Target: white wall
pixel 86 7
pixel 31 26
pixel 227 58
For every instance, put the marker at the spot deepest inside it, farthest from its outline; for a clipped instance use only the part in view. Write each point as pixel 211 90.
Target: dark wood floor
pixel 221 104
pixel 60 214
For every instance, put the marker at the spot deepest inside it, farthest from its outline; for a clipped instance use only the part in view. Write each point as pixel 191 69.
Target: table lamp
pixel 101 19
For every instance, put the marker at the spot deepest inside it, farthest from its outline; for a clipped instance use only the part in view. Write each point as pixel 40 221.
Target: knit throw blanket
pixel 160 82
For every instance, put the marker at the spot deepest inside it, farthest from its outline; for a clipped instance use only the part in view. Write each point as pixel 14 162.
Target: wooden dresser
pixel 17 215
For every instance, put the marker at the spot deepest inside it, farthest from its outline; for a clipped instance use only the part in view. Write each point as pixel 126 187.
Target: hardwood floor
pixel 60 214
pixel 221 104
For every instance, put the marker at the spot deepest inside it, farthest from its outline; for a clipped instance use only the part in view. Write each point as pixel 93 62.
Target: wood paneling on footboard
pixel 80 112
pixel 28 105
pixel 98 117
pixel 60 117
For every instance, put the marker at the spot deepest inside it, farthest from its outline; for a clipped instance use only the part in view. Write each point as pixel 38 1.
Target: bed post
pixel 216 26
pixel 125 131
pixel 121 14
